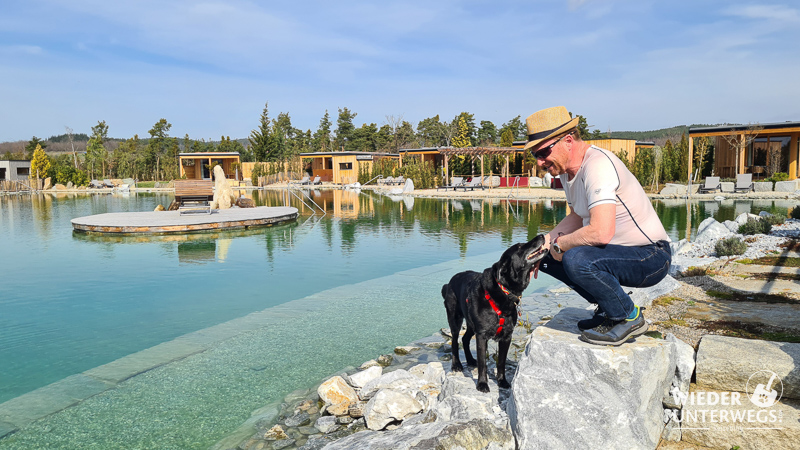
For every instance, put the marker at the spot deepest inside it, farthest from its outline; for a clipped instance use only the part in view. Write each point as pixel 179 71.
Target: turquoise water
pixel 71 302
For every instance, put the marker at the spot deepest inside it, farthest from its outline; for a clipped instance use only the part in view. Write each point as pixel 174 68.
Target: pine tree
pixel 40 162
pixel 461 139
pixel 261 139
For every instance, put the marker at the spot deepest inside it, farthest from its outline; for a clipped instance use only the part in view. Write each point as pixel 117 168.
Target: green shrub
pixel 755 226
pixel 775 219
pixel 778 176
pixel 730 247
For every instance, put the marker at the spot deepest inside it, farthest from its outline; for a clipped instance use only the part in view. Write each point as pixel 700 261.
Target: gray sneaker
pixel 615 332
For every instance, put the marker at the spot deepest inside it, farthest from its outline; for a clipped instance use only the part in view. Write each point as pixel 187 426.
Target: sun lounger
pixel 711 185
pixel 95 184
pixel 474 182
pixel 316 180
pixel 303 180
pixel 399 181
pixel 194 195
pixel 108 183
pixel 388 181
pixel 744 183
pixel 456 182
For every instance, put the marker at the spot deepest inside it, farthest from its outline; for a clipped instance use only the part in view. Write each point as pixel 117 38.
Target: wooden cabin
pixel 617 146
pixel 760 149
pixel 198 166
pixel 341 167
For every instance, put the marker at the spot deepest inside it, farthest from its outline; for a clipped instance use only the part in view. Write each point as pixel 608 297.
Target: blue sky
pixel 209 67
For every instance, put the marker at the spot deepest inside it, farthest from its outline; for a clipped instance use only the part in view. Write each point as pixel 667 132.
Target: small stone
pixel 283 444
pixel 308 430
pixel 306 405
pixel 357 409
pixel 326 424
pixel 275 433
pixel 159 208
pixel 344 420
pixel 298 419
pixel 385 360
pixel 368 364
pixel 404 350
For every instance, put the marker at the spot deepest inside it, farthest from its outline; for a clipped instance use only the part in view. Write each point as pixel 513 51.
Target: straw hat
pixel 547 123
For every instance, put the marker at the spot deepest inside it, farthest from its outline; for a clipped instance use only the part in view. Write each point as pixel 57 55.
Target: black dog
pixel 489 302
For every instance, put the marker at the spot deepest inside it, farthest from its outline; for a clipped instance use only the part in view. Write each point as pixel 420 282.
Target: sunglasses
pixel 544 152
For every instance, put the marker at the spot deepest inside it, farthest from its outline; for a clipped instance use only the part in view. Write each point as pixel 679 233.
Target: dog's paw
pixel 503 384
pixel 471 362
pixel 483 386
pixel 457 367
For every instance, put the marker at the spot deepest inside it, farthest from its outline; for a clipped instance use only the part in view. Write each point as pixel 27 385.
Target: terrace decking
pixel 170 222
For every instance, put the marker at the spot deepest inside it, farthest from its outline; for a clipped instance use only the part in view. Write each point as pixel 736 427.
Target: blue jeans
pixel 598 273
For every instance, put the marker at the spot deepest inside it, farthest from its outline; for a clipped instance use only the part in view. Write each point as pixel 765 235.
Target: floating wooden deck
pixel 170 222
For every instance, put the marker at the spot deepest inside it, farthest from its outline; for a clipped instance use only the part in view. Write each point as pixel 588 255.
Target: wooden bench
pixel 194 195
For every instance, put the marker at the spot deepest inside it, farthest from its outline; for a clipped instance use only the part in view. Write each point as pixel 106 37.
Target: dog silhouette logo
pixel 764 395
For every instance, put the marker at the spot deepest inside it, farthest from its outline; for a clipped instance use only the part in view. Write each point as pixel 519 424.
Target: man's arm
pixel 600 231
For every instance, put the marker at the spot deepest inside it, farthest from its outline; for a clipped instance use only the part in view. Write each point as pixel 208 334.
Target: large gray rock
pixel 535 182
pixel 685 362
pixel 389 406
pixel 645 296
pixel 432 372
pixel 223 194
pixel 460 400
pixel 786 186
pixel 673 189
pixel 711 230
pixel 719 420
pixel 727 363
pixel 763 186
pixel 476 434
pixel 399 380
pixel 568 394
pixel 359 379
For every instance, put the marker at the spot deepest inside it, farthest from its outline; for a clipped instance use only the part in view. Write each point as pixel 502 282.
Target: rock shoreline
pixel 412 400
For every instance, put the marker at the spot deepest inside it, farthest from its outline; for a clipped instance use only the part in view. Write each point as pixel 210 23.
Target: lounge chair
pixel 388 181
pixel 711 185
pixel 316 180
pixel 474 182
pixel 303 180
pixel 95 184
pixel 107 183
pixel 455 183
pixel 744 183
pixel 194 196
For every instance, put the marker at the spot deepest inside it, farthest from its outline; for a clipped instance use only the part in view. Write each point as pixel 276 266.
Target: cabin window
pixel 346 166
pixel 23 171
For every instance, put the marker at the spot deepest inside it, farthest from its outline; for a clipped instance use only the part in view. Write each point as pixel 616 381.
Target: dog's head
pixel 515 268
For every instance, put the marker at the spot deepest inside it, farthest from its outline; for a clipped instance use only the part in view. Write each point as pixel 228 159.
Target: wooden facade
pixel 341 167
pixel 761 149
pixel 197 166
pixel 617 146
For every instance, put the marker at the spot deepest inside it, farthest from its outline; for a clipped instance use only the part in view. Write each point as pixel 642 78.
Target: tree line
pixel 155 157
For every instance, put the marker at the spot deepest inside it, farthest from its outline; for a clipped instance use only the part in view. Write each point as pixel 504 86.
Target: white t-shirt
pixel 603 178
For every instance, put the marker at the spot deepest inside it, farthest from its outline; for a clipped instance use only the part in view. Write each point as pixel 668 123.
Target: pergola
pixel 477 151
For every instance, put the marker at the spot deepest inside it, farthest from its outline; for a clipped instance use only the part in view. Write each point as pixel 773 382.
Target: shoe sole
pixel 635 333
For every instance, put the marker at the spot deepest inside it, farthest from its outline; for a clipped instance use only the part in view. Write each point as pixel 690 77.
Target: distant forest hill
pixel 660 136
pixel 61 144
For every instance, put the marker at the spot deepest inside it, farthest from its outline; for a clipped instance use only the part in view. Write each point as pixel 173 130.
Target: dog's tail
pixel 445 290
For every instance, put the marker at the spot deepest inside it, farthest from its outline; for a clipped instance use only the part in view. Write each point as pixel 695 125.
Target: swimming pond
pixel 334 290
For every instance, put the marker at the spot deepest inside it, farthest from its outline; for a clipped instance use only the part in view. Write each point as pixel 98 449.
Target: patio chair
pixel 316 180
pixel 711 185
pixel 107 183
pixel 303 180
pixel 744 183
pixel 474 182
pixel 456 182
pixel 95 184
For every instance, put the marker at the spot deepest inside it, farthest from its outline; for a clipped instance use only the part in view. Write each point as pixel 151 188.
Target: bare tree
pixel 701 146
pixel 72 144
pixel 394 125
pixel 449 130
pixel 740 140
